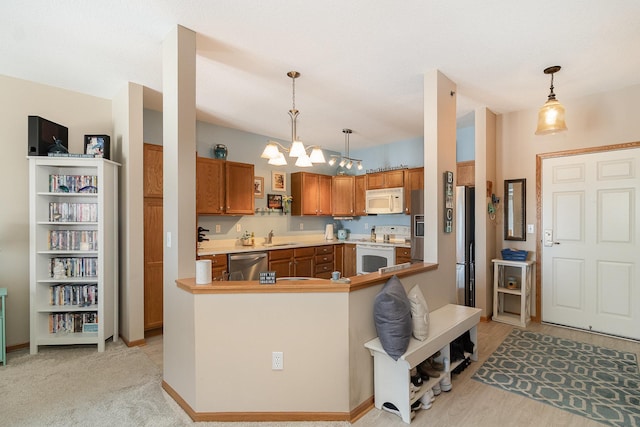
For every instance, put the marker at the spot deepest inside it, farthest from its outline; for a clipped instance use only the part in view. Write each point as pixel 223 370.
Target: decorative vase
pixel 220 151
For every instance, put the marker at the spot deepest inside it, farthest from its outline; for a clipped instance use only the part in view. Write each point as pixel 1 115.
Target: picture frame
pixel 274 201
pixel 278 181
pixel 98 145
pixel 258 187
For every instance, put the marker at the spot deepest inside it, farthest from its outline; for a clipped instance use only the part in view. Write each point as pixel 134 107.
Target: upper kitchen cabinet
pixel 342 199
pixel 240 195
pixel 413 180
pixel 311 194
pixel 360 195
pixel 466 172
pixel 388 179
pixel 224 187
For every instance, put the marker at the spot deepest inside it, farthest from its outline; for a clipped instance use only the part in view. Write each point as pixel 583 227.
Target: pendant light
pixel 346 161
pixel 297 149
pixel 551 114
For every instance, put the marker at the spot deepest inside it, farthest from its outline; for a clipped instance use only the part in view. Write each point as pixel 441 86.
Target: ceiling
pixel 361 62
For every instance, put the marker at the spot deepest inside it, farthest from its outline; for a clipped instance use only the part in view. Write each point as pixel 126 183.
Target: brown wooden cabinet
pixel 240 198
pixel 338 258
pixel 153 240
pixel 209 186
pixel 296 262
pixel 281 261
pixel 224 187
pixel 311 194
pixel 303 262
pixel 218 265
pixel 349 260
pixel 152 170
pixel 403 255
pixel 360 195
pixel 466 173
pixel 323 261
pixel 342 195
pixel 388 179
pixel 414 180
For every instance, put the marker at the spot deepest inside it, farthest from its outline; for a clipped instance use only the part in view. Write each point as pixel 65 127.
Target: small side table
pixel 3 342
pixel 512 278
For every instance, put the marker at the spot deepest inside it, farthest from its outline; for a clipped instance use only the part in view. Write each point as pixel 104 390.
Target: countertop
pixel 288 242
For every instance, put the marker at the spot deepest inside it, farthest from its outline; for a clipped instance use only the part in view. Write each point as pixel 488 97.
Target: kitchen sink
pixel 280 244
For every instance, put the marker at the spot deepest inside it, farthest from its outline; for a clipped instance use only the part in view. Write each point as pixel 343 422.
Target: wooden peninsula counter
pixel 320 326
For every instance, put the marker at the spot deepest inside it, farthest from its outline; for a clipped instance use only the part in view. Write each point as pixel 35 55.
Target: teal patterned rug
pixel 595 382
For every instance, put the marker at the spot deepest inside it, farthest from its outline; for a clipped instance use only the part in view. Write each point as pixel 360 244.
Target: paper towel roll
pixel 203 272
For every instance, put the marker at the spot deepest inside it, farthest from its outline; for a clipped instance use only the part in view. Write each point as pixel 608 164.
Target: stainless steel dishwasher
pixel 247 266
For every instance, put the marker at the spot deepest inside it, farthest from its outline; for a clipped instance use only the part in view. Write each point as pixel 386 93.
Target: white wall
pixel 82 114
pixel 597 120
pixel 128 123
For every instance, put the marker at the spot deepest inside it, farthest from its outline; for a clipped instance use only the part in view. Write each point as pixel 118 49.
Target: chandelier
pixel 551 114
pixel 345 161
pixel 297 149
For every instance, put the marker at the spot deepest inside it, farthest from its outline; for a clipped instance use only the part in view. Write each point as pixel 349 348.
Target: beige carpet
pixel 77 386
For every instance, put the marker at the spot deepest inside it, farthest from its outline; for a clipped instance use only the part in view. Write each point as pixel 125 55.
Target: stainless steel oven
pixel 371 257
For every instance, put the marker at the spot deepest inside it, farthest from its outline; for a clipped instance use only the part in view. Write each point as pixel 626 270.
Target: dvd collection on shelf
pixel 73 264
pixel 83 295
pixel 70 267
pixel 73 183
pixel 71 322
pixel 73 240
pixel 73 212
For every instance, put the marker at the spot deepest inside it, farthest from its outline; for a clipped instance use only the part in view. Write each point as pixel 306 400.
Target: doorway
pixel 589 240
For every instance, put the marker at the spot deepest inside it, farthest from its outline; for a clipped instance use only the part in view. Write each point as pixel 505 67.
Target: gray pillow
pixel 392 317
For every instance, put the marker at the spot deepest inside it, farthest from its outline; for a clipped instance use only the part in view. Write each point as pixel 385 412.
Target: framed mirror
pixel 515 209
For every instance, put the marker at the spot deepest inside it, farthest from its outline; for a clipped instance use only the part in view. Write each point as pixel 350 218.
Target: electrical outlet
pixel 238 228
pixel 277 361
pixel 217 228
pixel 366 225
pixel 301 226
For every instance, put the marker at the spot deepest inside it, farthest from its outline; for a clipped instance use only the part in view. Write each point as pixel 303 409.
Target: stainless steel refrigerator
pixel 465 254
pixel 417 225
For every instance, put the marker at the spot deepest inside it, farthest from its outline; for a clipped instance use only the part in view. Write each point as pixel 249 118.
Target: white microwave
pixel 385 201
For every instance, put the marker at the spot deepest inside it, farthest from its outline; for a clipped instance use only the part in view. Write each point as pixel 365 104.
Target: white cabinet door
pixel 590 261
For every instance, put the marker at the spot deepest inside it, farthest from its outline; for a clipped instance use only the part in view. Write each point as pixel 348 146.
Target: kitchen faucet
pixel 270 237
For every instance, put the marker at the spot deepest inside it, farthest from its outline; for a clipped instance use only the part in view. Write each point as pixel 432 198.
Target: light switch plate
pixel 531 228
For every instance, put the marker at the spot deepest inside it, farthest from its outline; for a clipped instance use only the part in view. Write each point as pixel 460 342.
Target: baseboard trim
pixel 360 410
pixel 17 347
pixel 351 417
pixel 135 343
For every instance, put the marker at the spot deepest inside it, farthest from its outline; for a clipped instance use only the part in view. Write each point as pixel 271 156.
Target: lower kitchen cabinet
pixel 349 260
pixel 323 261
pixel 296 262
pixel 403 255
pixel 218 265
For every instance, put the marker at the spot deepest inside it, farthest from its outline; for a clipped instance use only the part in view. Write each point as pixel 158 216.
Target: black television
pixel 43 134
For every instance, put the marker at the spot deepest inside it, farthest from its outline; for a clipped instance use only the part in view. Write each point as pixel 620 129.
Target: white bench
pixel 392 378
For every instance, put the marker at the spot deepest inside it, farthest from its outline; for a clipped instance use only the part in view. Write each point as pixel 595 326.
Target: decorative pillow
pixel 419 313
pixel 392 317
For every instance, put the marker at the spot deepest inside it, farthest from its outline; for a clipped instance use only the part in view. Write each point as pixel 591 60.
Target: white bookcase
pixel 512 279
pixel 73 259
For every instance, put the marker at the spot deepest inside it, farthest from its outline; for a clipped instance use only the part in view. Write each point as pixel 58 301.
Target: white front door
pixel 590 247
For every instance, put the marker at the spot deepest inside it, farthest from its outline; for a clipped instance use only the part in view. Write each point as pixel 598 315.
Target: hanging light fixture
pixel 297 149
pixel 551 114
pixel 345 160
